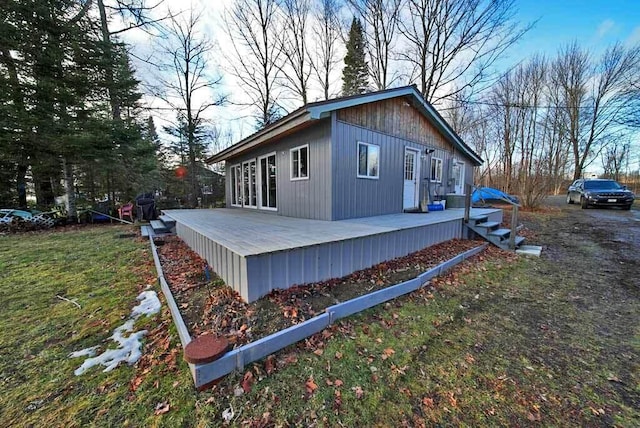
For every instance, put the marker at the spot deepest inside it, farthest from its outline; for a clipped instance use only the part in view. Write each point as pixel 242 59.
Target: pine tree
pixel 355 74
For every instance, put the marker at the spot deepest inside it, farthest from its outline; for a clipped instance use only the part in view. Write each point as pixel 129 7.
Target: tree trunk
pixel 21 185
pixel 72 212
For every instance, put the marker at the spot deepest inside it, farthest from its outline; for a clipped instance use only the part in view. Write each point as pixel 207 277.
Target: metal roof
pixel 307 114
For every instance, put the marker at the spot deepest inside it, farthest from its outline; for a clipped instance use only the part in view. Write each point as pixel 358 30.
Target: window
pixel 268 181
pixel 368 160
pixel 436 170
pixel 300 163
pixel 249 196
pixel 236 186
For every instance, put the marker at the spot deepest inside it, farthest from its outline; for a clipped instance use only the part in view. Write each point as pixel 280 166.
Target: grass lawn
pixel 499 341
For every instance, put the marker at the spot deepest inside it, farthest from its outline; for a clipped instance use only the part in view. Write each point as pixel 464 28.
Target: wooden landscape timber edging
pixel 183 333
pixel 205 374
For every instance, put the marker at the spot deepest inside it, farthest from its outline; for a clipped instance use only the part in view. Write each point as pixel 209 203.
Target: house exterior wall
pixel 309 198
pixel 398 118
pixel 393 125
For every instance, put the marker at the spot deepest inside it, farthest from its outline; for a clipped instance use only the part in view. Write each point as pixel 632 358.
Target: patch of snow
pixel 128 349
pixel 149 304
pixel 85 352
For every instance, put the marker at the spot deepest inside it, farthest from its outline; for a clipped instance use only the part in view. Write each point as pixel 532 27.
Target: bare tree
pixel 296 69
pixel 595 97
pixel 517 109
pixel 191 89
pixel 381 22
pixel 456 42
pixel 614 158
pixel 327 35
pixel 258 55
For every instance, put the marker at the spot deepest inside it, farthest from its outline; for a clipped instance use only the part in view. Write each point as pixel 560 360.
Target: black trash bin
pixel 146 206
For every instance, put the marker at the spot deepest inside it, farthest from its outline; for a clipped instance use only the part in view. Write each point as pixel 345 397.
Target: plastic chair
pixel 126 211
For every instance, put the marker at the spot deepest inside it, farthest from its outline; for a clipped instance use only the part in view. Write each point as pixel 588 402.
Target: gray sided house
pixel 360 156
pixel 323 192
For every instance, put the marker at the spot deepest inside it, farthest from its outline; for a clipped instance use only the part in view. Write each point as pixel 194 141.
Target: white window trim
pixel 291 150
pixel 370 177
pixel 260 182
pixel 234 182
pixel 247 162
pixel 441 170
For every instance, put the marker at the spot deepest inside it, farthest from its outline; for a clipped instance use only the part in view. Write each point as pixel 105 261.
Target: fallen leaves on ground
pixel 225 313
pixel 310 386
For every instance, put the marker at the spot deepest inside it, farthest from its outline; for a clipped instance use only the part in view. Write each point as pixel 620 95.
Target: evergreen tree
pixel 58 80
pixel 355 75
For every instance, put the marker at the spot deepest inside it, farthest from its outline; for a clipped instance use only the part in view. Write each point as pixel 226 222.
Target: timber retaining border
pixel 204 374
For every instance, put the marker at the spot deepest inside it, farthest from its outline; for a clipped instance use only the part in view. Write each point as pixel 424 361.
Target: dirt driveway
pixel 601 246
pixel 594 257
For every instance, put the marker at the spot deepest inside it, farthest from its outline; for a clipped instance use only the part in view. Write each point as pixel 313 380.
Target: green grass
pixel 503 344
pixel 104 274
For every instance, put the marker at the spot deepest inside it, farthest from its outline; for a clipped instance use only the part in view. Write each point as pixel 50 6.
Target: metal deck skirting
pixel 255 253
pixel 204 374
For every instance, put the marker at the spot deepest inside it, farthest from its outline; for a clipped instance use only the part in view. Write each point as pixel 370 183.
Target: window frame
pixel 431 177
pixel 253 189
pixel 260 201
pixel 298 149
pixel 239 197
pixel 367 176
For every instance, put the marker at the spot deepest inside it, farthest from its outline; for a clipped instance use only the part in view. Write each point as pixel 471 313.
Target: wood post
pixel 467 202
pixel 514 227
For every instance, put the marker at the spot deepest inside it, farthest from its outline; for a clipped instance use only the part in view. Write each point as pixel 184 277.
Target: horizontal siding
pixel 302 198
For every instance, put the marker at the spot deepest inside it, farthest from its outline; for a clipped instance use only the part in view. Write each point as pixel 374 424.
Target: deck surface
pixel 249 233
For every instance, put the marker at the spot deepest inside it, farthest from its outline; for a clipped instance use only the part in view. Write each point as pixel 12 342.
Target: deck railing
pixel 469 188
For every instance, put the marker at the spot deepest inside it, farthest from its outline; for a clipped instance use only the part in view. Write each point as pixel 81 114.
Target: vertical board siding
pixel 297 266
pixel 300 198
pixel 397 118
pixel 230 266
pixel 355 197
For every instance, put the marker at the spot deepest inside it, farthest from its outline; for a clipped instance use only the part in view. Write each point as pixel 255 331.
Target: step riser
pixel 498 237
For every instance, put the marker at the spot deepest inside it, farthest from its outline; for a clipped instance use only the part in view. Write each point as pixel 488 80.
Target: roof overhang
pixel 296 120
pixel 305 115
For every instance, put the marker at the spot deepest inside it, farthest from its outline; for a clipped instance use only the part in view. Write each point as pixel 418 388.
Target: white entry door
pixel 458 177
pixel 411 176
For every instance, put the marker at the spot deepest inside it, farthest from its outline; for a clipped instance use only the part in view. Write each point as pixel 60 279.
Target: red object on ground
pixel 206 348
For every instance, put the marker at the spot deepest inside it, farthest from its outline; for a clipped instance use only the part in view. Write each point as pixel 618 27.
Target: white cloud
pixel 634 37
pixel 605 27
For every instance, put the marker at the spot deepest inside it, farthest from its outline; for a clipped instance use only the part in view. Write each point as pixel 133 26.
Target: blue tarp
pixel 490 194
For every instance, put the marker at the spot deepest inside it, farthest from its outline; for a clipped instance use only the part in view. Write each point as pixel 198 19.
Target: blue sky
pixel 594 24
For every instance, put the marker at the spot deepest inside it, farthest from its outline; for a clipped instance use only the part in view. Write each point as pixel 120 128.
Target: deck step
pixel 488 224
pixel 168 221
pixel 519 240
pixel 505 244
pixel 159 227
pixel 145 231
pixel 500 233
pixel 479 219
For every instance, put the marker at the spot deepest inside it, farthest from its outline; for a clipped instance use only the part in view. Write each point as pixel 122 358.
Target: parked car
pixel 600 192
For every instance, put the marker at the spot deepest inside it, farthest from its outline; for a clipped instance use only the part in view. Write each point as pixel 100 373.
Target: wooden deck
pixel 257 252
